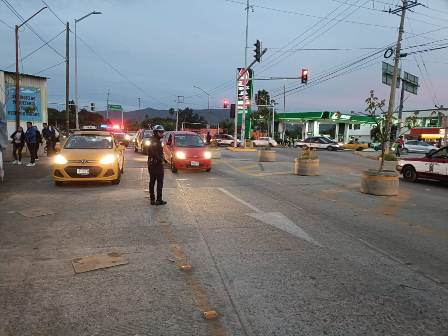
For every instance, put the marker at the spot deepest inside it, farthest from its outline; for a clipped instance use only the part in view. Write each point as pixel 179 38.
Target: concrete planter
pixel 267 155
pixel 385 183
pixel 306 167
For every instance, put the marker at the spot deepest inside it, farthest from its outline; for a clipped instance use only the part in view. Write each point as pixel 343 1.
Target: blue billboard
pixel 30 103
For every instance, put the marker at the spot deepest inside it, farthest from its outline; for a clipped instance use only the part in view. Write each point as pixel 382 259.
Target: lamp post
pixel 76 66
pixel 17 66
pixel 208 98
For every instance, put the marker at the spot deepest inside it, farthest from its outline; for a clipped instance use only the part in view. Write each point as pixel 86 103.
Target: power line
pixel 36 50
pixel 49 68
pixel 117 71
pixel 53 12
pixel 312 16
pixel 20 17
pixel 7 24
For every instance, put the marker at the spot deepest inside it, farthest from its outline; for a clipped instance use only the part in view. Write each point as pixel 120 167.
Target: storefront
pixel 335 125
pixel 33 99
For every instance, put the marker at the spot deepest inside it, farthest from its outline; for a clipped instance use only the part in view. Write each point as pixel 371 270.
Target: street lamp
pixel 208 97
pixel 17 66
pixel 76 65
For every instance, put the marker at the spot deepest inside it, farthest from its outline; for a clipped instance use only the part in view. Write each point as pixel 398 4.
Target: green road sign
pixel 112 107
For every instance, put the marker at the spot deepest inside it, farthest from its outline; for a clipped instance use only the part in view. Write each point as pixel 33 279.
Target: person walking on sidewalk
pixel 18 142
pixel 155 166
pixel 49 135
pixel 31 139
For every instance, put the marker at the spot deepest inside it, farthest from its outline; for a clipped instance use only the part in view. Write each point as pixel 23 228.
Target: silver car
pixel 415 146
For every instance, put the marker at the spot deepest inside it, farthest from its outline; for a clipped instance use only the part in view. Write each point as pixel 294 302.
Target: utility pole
pixel 107 104
pixel 17 66
pixel 139 105
pixel 400 109
pixel 243 115
pixel 67 77
pixel 406 5
pixel 284 96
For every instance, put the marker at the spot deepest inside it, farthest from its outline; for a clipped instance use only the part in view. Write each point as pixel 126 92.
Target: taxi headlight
pixel 127 137
pixel 108 159
pixel 59 159
pixel 147 143
pixel 207 155
pixel 180 155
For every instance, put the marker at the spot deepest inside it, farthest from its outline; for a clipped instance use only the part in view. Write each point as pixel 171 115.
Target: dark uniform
pixel 155 168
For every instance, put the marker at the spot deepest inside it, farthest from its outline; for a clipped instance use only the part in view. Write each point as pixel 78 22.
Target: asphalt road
pixel 272 253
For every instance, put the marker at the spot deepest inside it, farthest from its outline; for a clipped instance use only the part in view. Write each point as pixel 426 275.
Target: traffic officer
pixel 155 165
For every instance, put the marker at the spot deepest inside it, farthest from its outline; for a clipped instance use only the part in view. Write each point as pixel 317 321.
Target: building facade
pixel 33 99
pixel 338 126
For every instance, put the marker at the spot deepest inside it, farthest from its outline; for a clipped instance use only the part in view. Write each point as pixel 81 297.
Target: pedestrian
pixel 31 139
pixel 399 146
pixel 208 138
pixel 18 142
pixel 49 134
pixel 155 166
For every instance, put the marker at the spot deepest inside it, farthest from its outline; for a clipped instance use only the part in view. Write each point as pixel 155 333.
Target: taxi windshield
pixel 189 140
pixel 89 142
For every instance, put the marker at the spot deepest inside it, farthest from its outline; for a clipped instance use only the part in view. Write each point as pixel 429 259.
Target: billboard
pixel 30 103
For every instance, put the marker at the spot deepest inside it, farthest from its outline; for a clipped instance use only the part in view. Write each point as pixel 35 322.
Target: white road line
pixel 250 206
pixel 275 219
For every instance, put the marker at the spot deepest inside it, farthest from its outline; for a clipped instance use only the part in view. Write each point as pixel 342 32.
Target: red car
pixel 432 166
pixel 186 150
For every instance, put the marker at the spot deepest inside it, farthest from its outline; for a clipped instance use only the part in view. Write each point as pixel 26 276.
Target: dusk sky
pixel 164 48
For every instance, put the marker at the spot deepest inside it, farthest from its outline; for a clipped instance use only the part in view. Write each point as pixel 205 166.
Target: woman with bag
pixel 18 142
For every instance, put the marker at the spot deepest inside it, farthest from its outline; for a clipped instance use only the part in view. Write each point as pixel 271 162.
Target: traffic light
pixel 304 76
pixel 92 107
pixel 226 103
pixel 232 111
pixel 257 51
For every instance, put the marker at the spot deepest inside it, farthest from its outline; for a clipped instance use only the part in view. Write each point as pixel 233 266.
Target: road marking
pixel 182 179
pixel 275 219
pixel 250 206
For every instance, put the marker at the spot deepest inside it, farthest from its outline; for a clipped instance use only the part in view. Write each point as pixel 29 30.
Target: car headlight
pixel 59 159
pixel 127 137
pixel 108 159
pixel 207 155
pixel 180 155
pixel 147 143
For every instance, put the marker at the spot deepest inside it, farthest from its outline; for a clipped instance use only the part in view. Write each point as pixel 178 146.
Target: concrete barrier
pixel 267 155
pixel 385 183
pixel 306 167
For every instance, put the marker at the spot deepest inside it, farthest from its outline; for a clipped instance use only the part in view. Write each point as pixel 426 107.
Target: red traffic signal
pixel 226 103
pixel 304 76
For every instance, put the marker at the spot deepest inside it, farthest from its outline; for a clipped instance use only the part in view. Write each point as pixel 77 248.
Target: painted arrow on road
pixel 275 219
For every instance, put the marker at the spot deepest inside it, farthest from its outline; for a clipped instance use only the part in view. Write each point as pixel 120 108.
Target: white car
pixel 415 146
pixel 265 142
pixel 318 142
pixel 225 140
pixel 431 166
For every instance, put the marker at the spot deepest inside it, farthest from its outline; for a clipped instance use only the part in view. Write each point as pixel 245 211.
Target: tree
pixel 87 118
pixel 260 118
pixel 227 126
pixel 382 132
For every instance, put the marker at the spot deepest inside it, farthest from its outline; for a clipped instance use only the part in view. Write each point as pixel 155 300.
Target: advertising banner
pixel 30 103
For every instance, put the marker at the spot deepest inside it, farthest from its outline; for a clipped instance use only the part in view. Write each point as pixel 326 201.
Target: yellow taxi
pixel 355 145
pixel 89 156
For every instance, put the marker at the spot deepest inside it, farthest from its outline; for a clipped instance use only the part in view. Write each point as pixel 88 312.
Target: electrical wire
pixel 20 17
pixel 49 68
pixel 7 24
pixel 93 51
pixel 53 12
pixel 36 50
pixel 311 15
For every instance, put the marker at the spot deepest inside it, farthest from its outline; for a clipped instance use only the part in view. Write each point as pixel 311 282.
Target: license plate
pixel 194 164
pixel 82 171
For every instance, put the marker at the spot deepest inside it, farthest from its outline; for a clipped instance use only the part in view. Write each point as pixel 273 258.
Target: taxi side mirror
pixel 57 147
